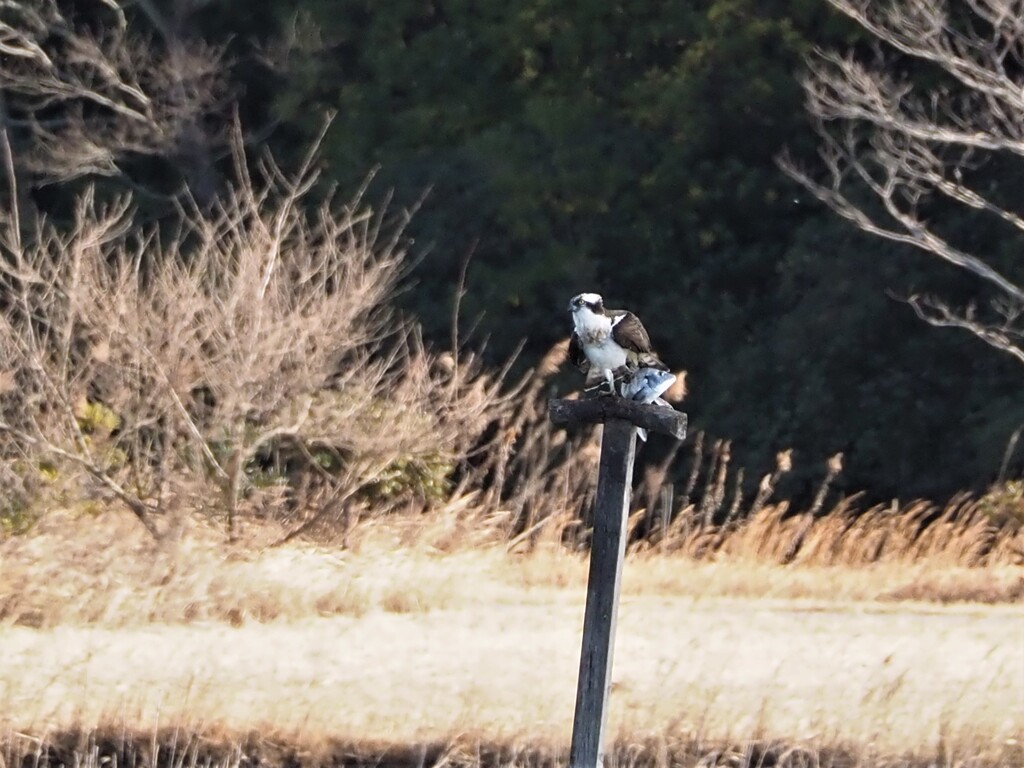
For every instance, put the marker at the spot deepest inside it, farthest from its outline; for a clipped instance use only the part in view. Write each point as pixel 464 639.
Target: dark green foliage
pixel 563 139
pixel 629 148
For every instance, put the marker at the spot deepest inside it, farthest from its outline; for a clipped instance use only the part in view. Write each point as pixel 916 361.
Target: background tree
pixel 903 150
pixel 631 149
pixel 627 148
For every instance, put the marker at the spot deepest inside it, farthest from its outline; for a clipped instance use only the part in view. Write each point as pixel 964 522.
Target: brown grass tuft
pixel 85 568
pixel 207 748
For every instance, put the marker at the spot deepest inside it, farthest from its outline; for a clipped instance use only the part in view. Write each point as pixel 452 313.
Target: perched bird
pixel 608 344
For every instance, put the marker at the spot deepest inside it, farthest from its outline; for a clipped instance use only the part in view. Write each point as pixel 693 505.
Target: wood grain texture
pixel 653 418
pixel 608 545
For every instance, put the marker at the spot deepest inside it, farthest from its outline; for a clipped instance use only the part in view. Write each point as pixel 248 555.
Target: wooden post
pixel 665 502
pixel 607 549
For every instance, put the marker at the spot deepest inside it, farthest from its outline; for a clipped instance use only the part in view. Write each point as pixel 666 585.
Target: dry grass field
pixel 428 641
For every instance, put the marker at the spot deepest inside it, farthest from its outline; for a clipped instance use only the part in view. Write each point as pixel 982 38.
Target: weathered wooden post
pixel 608 546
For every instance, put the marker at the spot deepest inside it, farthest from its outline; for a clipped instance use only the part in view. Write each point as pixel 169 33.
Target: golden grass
pixel 959 535
pixel 104 569
pixel 502 672
pixel 428 634
pixel 713 670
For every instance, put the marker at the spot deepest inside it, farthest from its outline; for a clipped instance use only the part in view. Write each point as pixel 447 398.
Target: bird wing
pixel 576 353
pixel 629 333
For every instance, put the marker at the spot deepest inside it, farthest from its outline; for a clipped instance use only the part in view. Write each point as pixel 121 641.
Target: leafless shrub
pixel 82 98
pixel 164 364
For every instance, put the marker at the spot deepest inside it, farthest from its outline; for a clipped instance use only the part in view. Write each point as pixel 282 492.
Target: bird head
pixel 591 301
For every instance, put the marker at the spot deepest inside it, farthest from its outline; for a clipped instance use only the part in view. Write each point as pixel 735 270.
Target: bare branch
pixel 840 88
pixel 940 315
pixel 914 232
pixel 140 510
pixel 889 151
pixel 922 29
pixel 86 100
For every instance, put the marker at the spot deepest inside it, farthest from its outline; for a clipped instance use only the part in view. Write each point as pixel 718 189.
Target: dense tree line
pixel 628 148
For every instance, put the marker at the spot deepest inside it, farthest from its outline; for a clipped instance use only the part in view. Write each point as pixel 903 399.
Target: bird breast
pixel 595 333
pixel 591 327
pixel 605 355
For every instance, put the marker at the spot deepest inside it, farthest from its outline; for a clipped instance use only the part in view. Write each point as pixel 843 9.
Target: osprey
pixel 606 344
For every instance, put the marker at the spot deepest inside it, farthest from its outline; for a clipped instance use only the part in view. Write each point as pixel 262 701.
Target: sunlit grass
pixel 427 636
pixel 103 569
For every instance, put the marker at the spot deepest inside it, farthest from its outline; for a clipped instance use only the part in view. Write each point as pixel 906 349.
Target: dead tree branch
pixel 84 99
pixel 889 150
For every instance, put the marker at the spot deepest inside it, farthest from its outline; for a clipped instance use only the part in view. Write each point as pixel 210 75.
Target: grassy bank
pixel 719 669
